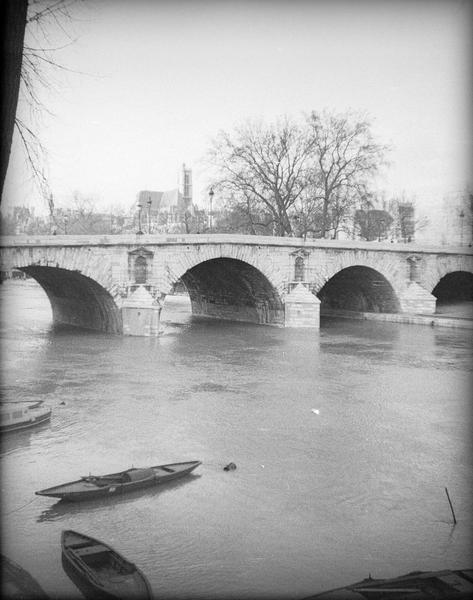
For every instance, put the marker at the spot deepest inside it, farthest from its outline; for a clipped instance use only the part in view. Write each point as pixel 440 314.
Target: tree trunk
pixel 13 15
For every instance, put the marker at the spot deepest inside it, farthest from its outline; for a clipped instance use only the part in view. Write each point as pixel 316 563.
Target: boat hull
pixel 81 490
pixel 92 582
pixel 18 583
pixel 89 591
pixel 32 422
pixel 421 585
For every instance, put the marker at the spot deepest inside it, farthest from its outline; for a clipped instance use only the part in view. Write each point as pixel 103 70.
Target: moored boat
pixel 21 415
pixel 99 571
pixel 18 583
pixel 102 486
pixel 418 585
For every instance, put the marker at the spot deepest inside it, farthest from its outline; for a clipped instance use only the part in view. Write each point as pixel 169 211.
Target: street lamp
pixel 211 196
pixel 149 214
pixel 462 216
pixel 139 232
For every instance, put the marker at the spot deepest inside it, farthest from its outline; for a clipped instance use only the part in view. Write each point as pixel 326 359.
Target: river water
pixel 344 441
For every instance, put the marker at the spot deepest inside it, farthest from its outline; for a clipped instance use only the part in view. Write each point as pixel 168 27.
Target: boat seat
pixel 91 550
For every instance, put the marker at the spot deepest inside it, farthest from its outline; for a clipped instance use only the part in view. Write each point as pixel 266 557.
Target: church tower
pixel 185 187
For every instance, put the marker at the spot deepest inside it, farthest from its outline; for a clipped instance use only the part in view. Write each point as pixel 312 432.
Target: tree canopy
pixel 297 177
pixel 263 169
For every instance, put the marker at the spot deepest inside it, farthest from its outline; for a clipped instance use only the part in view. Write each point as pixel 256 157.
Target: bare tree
pixel 345 160
pixel 264 167
pixel 299 179
pixel 31 60
pixel 373 224
pixel 13 17
pixel 82 217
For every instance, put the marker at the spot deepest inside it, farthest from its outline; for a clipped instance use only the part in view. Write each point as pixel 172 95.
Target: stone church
pixel 169 211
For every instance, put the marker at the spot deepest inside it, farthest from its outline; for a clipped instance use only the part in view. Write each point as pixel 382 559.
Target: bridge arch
pixel 360 289
pixel 259 257
pixel 436 268
pixel 108 262
pixel 385 265
pixel 456 286
pixel 76 299
pixel 232 289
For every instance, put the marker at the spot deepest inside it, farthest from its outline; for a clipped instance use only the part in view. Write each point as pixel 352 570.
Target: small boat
pixel 99 571
pixel 18 583
pixel 421 585
pixel 20 415
pixel 101 486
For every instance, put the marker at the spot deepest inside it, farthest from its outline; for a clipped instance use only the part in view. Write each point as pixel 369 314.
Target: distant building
pixel 403 227
pixel 450 221
pixel 170 211
pixel 457 221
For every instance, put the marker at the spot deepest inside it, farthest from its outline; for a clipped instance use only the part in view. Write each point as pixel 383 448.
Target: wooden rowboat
pixel 99 571
pixel 103 486
pixel 418 585
pixel 18 583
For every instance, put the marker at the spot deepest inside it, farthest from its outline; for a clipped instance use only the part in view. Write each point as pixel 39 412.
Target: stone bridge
pixel 117 283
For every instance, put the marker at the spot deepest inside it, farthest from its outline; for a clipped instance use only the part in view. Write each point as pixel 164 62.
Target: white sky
pixel 160 78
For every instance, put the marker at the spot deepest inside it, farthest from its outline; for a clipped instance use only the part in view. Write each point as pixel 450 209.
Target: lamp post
pixel 211 196
pixel 149 214
pixel 65 224
pixel 140 207
pixel 462 216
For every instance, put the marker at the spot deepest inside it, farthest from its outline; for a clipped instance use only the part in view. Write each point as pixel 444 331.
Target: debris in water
pixel 230 467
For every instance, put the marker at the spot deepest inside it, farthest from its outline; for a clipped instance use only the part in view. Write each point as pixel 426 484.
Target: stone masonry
pixel 91 280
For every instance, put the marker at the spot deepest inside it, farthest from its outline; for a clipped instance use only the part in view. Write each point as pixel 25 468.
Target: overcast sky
pixel 156 80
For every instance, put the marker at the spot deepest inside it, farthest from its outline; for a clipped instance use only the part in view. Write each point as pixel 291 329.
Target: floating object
pixel 316 411
pixel 451 507
pixel 99 571
pixel 421 585
pixel 230 467
pixel 15 415
pixel 101 486
pixel 18 583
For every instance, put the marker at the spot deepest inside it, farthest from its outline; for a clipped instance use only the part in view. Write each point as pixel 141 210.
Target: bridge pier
pixel 417 300
pixel 141 314
pixel 301 308
pixel 234 277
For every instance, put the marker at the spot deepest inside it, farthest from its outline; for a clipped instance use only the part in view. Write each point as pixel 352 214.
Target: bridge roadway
pixel 116 283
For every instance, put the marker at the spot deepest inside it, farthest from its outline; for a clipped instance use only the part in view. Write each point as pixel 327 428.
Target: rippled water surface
pixel 344 441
